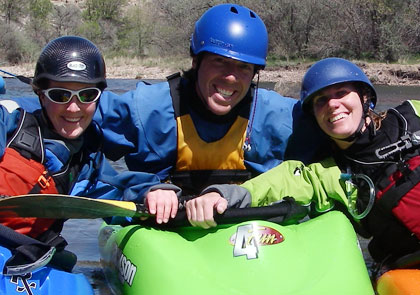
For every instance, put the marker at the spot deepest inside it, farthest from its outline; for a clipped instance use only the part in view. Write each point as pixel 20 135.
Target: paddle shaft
pixel 67 207
pixel 283 212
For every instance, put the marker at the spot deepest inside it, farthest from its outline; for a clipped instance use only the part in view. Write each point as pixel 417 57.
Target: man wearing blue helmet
pixel 209 125
pixel 373 175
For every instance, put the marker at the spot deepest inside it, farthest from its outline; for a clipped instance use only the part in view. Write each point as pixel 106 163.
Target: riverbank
pixel 124 68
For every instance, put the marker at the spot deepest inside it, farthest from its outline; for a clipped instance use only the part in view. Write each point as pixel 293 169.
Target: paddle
pixel 19 77
pixel 67 207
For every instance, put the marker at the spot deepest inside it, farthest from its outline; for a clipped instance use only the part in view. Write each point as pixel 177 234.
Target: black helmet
pixel 70 59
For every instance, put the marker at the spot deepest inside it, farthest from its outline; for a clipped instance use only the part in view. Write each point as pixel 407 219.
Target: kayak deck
pixel 319 256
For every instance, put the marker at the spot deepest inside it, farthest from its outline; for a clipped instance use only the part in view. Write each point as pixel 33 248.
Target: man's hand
pixel 162 203
pixel 200 210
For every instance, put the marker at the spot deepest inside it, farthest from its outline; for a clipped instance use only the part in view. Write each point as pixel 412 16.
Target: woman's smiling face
pixel 338 110
pixel 71 119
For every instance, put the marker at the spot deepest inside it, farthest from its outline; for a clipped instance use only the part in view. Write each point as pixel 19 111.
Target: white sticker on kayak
pixel 76 66
pixel 249 237
pixel 127 270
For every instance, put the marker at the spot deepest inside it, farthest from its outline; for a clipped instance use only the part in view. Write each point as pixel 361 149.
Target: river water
pixel 82 234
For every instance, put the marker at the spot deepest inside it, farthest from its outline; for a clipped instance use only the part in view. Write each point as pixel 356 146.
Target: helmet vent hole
pixel 251 14
pixel 234 10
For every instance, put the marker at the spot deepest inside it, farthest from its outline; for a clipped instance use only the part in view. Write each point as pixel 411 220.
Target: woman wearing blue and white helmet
pixel 385 147
pixel 342 76
pixel 372 175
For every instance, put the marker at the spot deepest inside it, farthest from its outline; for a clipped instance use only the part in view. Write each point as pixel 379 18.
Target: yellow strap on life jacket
pixel 196 154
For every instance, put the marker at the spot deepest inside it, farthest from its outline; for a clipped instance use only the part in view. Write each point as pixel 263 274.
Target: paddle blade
pixel 65 207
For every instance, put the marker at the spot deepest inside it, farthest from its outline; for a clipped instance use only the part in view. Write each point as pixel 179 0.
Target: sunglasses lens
pixel 59 95
pixel 89 95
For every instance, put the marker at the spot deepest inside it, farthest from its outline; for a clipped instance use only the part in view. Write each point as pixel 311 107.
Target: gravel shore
pixel 379 73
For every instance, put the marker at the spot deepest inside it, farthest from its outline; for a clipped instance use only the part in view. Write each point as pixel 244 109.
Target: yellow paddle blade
pixel 66 207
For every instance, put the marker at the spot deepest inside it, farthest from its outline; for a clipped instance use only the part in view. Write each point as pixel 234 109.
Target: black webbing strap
pixel 28 253
pixel 174 81
pixel 194 181
pixel 27 138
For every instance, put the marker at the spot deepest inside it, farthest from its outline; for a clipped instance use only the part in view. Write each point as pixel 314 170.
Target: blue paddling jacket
pixel 96 177
pixel 154 124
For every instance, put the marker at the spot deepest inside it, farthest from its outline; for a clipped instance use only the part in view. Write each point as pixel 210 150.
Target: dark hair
pixel 191 74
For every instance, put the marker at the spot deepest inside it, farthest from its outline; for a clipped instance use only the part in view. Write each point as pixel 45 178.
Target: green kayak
pixel 320 256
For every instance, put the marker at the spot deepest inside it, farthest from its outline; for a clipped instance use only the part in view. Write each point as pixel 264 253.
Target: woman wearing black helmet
pixel 57 149
pixel 374 173
pixel 69 68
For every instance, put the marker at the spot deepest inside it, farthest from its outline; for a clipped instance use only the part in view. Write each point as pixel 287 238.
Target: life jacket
pixel 22 171
pixel 400 194
pixel 200 163
pixel 396 211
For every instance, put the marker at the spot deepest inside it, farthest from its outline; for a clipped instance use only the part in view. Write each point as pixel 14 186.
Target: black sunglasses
pixel 63 96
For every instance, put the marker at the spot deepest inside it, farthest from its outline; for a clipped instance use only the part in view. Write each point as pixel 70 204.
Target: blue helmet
pixel 331 71
pixel 232 31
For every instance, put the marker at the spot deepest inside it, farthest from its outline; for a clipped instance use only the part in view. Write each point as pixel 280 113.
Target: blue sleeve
pixel 307 143
pixel 29 104
pixel 118 125
pixel 8 124
pixel 141 126
pixel 106 183
pixel 272 124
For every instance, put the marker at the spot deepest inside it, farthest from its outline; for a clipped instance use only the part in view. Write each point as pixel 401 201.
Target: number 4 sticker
pixel 246 242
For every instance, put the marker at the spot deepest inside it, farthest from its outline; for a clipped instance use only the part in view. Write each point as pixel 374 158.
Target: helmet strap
pixel 247 142
pixel 358 132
